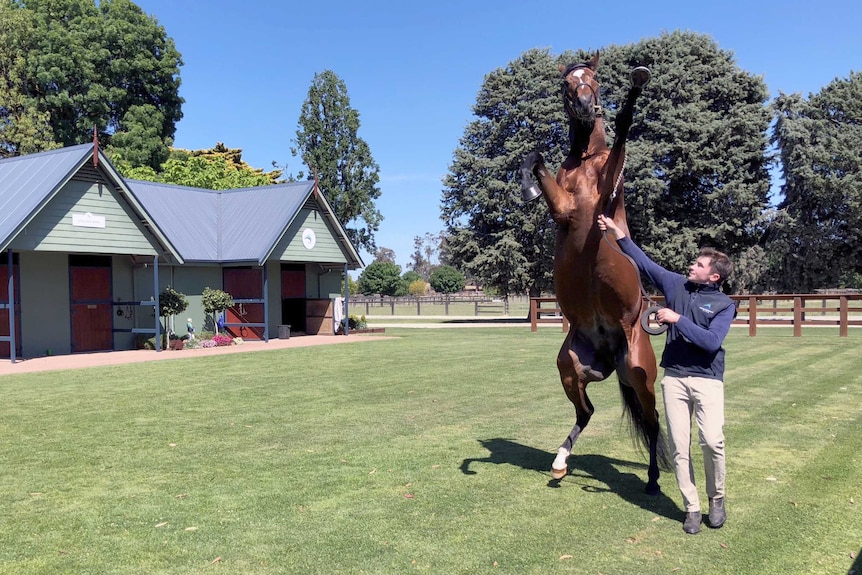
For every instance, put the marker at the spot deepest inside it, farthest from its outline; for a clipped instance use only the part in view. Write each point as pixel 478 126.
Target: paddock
pixel 354 458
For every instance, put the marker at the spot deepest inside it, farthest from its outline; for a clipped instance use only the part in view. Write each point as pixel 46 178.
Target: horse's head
pixel 581 91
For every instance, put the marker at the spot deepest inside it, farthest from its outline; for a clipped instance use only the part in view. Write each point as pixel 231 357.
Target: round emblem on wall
pixel 308 238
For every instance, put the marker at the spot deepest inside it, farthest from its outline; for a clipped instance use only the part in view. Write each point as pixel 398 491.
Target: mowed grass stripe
pixel 425 453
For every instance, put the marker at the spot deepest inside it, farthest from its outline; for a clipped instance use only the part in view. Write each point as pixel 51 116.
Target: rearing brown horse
pixel 597 286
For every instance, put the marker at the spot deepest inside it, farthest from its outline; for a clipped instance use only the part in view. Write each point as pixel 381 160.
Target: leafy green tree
pixel 199 169
pixel 410 276
pixel 446 279
pixel 816 238
pixel 408 279
pixel 382 278
pixel 171 303
pixel 696 169
pixel 104 64
pixel 215 301
pixel 352 286
pixel 23 128
pixel 327 140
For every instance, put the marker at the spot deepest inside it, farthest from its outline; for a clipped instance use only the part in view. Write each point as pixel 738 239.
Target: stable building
pixel 84 254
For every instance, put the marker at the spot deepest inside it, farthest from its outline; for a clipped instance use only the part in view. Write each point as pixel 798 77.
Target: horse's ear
pixel 562 69
pixel 594 61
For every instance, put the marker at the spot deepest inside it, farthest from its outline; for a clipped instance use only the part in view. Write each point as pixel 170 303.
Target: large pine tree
pixel 696 170
pixel 491 235
pixel 816 240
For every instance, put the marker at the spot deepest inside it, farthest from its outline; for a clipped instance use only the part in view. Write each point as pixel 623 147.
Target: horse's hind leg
pixel 574 376
pixel 639 373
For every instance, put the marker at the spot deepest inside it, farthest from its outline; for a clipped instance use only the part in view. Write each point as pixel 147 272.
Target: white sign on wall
pixel 88 220
pixel 308 238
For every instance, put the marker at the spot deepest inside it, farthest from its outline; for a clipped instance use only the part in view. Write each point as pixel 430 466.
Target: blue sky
pixel 413 69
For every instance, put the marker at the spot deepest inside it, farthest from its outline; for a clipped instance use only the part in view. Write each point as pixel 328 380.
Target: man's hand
pixel 667 315
pixel 607 224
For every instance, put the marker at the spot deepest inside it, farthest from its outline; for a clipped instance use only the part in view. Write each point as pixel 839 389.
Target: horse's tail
pixel 639 427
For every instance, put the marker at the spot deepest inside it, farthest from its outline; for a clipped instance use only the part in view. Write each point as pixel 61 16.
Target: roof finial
pixel 95 146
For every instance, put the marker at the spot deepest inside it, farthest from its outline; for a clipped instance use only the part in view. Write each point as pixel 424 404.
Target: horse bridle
pixel 567 102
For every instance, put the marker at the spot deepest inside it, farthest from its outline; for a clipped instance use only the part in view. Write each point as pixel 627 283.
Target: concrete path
pixel 81 360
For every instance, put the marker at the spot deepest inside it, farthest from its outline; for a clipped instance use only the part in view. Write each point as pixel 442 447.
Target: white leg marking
pixel 560 462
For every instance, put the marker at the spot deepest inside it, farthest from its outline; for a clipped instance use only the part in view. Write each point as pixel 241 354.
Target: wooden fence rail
pixel 478 304
pixel 796 310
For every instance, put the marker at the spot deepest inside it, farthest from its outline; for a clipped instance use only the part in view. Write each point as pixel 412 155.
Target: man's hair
pixel 719 263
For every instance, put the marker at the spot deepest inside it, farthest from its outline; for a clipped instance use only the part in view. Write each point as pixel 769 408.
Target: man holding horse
pixel 699 316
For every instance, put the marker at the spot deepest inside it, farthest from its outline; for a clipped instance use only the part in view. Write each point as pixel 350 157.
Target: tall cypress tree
pixel 327 140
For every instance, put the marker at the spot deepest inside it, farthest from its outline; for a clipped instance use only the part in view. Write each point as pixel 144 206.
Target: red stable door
pixel 244 283
pixel 91 308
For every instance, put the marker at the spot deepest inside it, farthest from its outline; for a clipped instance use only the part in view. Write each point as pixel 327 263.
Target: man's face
pixel 700 272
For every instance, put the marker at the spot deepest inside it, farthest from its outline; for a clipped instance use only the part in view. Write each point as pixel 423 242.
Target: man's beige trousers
pixel 703 398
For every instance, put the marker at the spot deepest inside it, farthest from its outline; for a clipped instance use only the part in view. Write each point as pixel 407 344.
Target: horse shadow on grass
pixel 856 568
pixel 622 478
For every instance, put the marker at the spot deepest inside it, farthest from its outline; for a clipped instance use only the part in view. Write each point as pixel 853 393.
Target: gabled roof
pixel 197 225
pixel 28 183
pixel 240 225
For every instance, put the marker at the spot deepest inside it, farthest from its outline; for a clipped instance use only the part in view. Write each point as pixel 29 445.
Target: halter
pixel 567 102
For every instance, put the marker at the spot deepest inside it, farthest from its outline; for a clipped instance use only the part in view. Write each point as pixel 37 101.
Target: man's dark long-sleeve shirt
pixel 693 346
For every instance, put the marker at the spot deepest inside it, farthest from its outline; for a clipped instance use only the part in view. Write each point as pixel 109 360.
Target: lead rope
pixel 653 308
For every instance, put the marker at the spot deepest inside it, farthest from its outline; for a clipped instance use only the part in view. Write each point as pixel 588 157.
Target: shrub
pixel 446 279
pixel 417 288
pixel 215 301
pixel 222 340
pixel 353 322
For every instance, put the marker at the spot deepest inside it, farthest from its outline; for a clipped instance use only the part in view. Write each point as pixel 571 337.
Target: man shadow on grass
pixel 622 478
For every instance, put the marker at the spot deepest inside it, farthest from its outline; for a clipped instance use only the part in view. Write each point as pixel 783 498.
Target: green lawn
pixel 427 453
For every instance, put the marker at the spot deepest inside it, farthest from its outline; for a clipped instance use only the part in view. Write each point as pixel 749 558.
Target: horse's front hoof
pixel 640 76
pixel 559 473
pixel 653 489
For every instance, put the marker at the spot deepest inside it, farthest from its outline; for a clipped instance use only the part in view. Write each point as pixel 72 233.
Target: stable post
pixel 10 291
pixel 797 316
pixel 156 300
pixel 752 316
pixel 843 316
pixel 534 311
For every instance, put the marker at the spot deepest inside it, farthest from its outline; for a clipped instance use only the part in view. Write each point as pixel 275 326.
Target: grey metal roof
pixel 187 216
pixel 28 182
pixel 213 226
pixel 254 219
pixel 222 225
